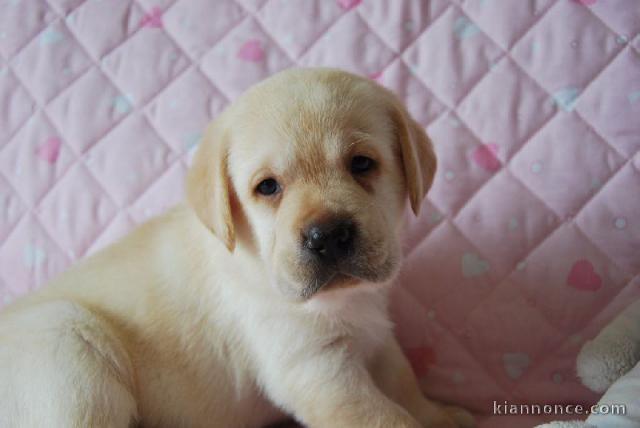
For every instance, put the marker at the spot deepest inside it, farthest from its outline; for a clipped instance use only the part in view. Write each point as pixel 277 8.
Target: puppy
pixel 264 296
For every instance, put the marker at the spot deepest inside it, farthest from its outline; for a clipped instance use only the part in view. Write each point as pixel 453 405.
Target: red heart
pixel 584 277
pixel 485 157
pixel 375 76
pixel 251 51
pixel 421 359
pixel 152 19
pixel 349 4
pixel 49 150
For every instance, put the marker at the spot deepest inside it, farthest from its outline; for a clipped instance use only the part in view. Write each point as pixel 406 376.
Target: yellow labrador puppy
pixel 265 295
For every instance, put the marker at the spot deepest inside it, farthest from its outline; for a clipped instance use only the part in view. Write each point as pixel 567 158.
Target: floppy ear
pixel 418 158
pixel 208 185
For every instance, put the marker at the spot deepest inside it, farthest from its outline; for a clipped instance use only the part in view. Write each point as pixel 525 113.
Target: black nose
pixel 330 241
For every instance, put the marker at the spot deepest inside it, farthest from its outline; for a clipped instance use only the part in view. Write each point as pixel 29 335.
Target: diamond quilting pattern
pixel 618 239
pixel 15 104
pixel 88 109
pixel 365 52
pixel 581 47
pixel 253 5
pixel 74 230
pixel 145 64
pixel 11 209
pixel 304 23
pixel 618 18
pixel 410 20
pixel 535 165
pixel 181 112
pixel 501 122
pixel 458 174
pixel 613 101
pixel 464 272
pixel 35 159
pixel 101 35
pixel 18 26
pixel 528 241
pixel 506 32
pixel 421 103
pixel 50 62
pixel 196 35
pixel 438 60
pixel 510 365
pixel 517 228
pixel 243 58
pixel 128 159
pixel 62 7
pixel 28 256
pixel 154 200
pixel 580 274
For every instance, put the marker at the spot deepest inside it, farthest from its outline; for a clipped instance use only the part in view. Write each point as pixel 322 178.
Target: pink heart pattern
pixel 584 277
pixel 515 364
pixel 375 76
pixel 49 150
pixel 348 4
pixel 153 19
pixel 485 156
pixel 251 51
pixel 421 359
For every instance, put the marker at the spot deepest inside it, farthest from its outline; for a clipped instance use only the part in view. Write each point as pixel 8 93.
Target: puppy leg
pixel 331 389
pixel 394 376
pixel 61 366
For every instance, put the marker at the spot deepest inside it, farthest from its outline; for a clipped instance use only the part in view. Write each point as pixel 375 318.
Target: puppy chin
pixel 336 286
pixel 333 301
pixel 310 281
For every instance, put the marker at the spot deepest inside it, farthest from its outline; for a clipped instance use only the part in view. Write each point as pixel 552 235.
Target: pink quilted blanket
pixel 530 240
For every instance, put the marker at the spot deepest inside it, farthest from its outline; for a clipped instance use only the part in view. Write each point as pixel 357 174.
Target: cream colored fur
pixel 205 316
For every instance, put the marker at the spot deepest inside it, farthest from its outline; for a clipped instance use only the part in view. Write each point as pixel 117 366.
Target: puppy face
pixel 312 168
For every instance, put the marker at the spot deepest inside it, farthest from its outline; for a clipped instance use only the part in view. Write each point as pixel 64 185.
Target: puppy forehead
pixel 309 129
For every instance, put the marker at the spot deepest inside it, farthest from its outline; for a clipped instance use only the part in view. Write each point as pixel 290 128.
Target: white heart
pixel 536 167
pixel 458 377
pixel 473 265
pixel 33 256
pixel 515 363
pixel 513 224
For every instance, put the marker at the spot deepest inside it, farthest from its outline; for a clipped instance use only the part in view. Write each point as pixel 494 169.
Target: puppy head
pixel 316 165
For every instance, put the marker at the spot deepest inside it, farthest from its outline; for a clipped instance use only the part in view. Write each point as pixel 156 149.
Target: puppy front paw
pixel 462 417
pixel 602 362
pixel 450 417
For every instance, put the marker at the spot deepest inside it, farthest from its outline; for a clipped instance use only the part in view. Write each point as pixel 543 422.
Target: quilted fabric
pixel 529 241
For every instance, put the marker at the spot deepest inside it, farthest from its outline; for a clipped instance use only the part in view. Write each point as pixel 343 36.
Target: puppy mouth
pixel 330 281
pixel 369 263
pixel 341 280
pixel 336 277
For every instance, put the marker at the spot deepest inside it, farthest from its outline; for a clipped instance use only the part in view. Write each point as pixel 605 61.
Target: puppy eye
pixel 268 187
pixel 361 164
